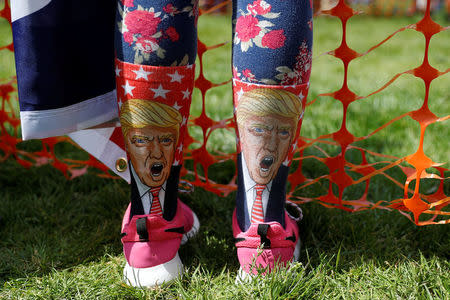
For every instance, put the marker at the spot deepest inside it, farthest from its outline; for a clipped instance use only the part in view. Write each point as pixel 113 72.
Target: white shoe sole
pixel 244 277
pixel 297 250
pixel 152 276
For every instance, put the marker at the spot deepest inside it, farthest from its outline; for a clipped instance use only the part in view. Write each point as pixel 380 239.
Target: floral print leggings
pixel 272 38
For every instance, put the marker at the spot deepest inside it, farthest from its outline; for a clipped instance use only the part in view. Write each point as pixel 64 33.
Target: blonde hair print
pixel 138 113
pixel 265 102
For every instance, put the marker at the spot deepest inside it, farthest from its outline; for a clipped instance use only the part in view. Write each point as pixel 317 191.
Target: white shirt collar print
pixel 147 197
pixel 250 192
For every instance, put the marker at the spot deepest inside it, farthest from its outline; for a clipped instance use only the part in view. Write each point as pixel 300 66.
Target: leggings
pixel 156 45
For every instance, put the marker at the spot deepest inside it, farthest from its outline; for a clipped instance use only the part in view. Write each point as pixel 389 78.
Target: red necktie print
pixel 156 206
pixel 257 210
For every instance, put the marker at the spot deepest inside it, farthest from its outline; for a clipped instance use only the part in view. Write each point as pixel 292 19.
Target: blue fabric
pixel 288 26
pixel 64 54
pixel 175 33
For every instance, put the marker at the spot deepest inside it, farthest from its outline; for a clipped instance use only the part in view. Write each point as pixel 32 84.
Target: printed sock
pixel 156 44
pixel 272 43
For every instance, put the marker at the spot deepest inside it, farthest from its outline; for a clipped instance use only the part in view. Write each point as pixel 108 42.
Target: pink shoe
pixel 265 245
pixel 151 243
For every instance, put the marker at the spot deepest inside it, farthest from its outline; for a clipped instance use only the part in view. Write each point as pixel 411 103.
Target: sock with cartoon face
pixel 272 43
pixel 156 44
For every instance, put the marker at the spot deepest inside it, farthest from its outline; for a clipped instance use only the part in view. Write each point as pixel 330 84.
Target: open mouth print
pixel 266 163
pixel 156 169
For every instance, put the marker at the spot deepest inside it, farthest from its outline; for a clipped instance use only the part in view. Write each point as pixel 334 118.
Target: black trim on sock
pixel 171 195
pixel 241 197
pixel 277 198
pixel 170 198
pixel 136 202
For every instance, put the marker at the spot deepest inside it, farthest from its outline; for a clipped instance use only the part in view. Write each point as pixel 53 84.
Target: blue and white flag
pixel 64 51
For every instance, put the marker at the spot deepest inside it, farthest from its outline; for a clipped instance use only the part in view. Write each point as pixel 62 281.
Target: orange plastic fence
pixel 432 208
pixel 387 7
pixel 377 7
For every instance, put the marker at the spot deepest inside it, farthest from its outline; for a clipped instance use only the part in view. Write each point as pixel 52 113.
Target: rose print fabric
pixel 272 41
pixel 157 32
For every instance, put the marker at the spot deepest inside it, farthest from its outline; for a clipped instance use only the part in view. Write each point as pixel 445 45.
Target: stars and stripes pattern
pixel 257 209
pixel 301 90
pixel 169 85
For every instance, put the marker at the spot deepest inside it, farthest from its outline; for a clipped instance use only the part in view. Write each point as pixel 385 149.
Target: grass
pixel 60 239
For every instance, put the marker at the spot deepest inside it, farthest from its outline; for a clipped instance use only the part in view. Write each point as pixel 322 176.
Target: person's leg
pixel 156 44
pixel 271 68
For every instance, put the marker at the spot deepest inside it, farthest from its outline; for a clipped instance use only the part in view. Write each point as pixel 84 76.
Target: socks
pixel 156 48
pixel 272 43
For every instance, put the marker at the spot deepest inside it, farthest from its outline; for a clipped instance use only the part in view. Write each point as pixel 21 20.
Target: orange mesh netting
pixel 431 208
pixel 386 7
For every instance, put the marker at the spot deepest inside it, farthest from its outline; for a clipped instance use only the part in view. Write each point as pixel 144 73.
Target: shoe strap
pixel 141 229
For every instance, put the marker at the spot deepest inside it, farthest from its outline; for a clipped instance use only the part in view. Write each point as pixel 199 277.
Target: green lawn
pixel 60 239
pixel 366 74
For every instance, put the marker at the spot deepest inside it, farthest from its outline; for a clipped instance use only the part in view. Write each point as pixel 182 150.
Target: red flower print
pixel 303 62
pixel 246 28
pixel 273 39
pixel 302 68
pixel 142 22
pixel 170 9
pixel 248 74
pixel 128 3
pixel 148 44
pixel 172 34
pixel 128 37
pixel 259 7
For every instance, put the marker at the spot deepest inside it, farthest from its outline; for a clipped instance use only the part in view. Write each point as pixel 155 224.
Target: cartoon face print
pixel 265 143
pixel 152 151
